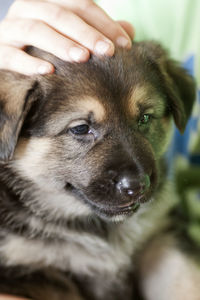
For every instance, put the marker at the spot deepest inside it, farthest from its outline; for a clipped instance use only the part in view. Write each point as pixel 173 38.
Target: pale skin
pixel 69 29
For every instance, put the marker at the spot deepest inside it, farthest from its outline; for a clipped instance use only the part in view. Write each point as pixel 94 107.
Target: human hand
pixel 69 29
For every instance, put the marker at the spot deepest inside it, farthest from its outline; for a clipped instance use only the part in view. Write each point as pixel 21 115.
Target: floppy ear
pixel 182 93
pixel 15 101
pixel 177 84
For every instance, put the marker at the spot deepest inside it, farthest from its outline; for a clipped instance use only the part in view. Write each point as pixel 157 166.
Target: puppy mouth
pixel 113 211
pixel 105 210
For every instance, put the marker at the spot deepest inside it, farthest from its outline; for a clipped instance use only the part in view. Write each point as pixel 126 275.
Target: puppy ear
pixel 15 101
pixel 182 93
pixel 177 84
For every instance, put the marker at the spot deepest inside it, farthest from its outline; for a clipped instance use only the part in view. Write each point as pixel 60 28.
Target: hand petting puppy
pixel 69 29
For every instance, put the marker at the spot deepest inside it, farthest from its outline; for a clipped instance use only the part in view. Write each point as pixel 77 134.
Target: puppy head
pixel 97 130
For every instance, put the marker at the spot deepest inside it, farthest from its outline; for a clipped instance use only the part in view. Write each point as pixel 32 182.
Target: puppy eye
pixel 80 129
pixel 144 120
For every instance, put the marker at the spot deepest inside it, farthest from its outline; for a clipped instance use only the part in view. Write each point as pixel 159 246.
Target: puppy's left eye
pixel 144 120
pixel 80 129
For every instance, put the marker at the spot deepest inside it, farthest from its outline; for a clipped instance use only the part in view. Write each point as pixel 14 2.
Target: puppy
pixel 83 177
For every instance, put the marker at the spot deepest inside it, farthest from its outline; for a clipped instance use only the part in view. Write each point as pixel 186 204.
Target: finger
pixel 97 18
pixel 24 32
pixel 17 60
pixel 66 23
pixel 128 28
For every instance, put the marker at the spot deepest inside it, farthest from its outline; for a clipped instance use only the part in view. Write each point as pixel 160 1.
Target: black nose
pixel 129 183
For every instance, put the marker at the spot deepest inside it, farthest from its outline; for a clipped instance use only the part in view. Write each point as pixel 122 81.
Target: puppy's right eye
pixel 80 129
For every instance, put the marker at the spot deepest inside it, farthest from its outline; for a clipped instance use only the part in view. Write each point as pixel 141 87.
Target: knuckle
pixel 56 13
pixel 88 5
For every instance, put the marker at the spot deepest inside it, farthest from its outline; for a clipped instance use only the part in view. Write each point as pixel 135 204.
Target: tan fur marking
pixel 138 96
pixel 145 96
pixel 80 109
pixel 32 149
pixel 30 160
pixel 93 105
pixel 29 156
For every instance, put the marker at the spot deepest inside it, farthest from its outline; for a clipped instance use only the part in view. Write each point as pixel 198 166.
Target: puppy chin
pixel 118 218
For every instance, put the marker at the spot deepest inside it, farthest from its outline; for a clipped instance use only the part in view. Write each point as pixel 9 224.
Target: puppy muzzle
pixel 120 190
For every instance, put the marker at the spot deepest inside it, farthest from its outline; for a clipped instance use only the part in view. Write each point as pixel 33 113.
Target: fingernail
pixel 77 54
pixel 45 69
pixel 121 41
pixel 103 47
